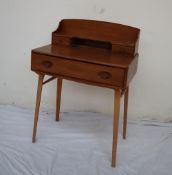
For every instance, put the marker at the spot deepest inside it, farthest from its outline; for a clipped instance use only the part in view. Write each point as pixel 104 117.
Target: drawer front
pixel 77 69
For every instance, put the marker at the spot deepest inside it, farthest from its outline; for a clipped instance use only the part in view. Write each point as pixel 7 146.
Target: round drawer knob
pixel 47 64
pixel 104 75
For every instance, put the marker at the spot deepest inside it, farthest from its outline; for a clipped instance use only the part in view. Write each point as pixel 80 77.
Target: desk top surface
pixel 87 54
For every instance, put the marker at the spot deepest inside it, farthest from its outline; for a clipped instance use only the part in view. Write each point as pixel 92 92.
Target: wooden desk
pixel 92 52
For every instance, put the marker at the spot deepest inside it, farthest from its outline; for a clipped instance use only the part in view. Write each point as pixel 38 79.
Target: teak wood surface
pixel 92 52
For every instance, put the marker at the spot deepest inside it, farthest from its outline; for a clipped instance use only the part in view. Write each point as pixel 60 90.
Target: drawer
pixel 77 69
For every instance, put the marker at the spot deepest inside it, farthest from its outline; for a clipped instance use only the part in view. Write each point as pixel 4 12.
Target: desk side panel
pixel 132 69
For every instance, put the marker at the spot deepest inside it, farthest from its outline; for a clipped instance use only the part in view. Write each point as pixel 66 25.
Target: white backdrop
pixel 28 24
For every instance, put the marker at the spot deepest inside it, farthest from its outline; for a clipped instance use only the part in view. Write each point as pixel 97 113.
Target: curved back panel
pixel 118 35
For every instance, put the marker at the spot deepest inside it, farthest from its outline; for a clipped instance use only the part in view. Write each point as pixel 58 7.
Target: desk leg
pixel 125 112
pixel 38 99
pixel 115 125
pixel 58 98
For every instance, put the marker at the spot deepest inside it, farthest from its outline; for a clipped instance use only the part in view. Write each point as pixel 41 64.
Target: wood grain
pixel 38 100
pixel 93 52
pixel 58 98
pixel 125 112
pixel 116 34
pixel 115 125
pixel 78 69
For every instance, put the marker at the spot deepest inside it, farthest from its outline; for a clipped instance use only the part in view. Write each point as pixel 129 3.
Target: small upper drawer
pixel 78 69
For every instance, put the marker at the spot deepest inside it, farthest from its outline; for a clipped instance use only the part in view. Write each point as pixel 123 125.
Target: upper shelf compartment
pixel 116 37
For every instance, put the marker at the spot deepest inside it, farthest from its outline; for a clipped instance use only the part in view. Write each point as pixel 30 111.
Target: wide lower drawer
pixel 77 69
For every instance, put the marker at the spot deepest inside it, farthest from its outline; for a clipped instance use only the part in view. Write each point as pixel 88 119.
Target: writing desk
pixel 93 52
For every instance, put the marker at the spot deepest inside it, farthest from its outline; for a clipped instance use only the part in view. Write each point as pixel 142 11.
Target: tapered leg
pixel 38 99
pixel 125 113
pixel 58 98
pixel 115 125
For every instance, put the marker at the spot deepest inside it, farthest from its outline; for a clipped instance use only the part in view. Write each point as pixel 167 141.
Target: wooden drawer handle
pixel 104 75
pixel 47 64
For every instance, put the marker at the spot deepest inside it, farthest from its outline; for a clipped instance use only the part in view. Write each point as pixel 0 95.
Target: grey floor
pixel 80 144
